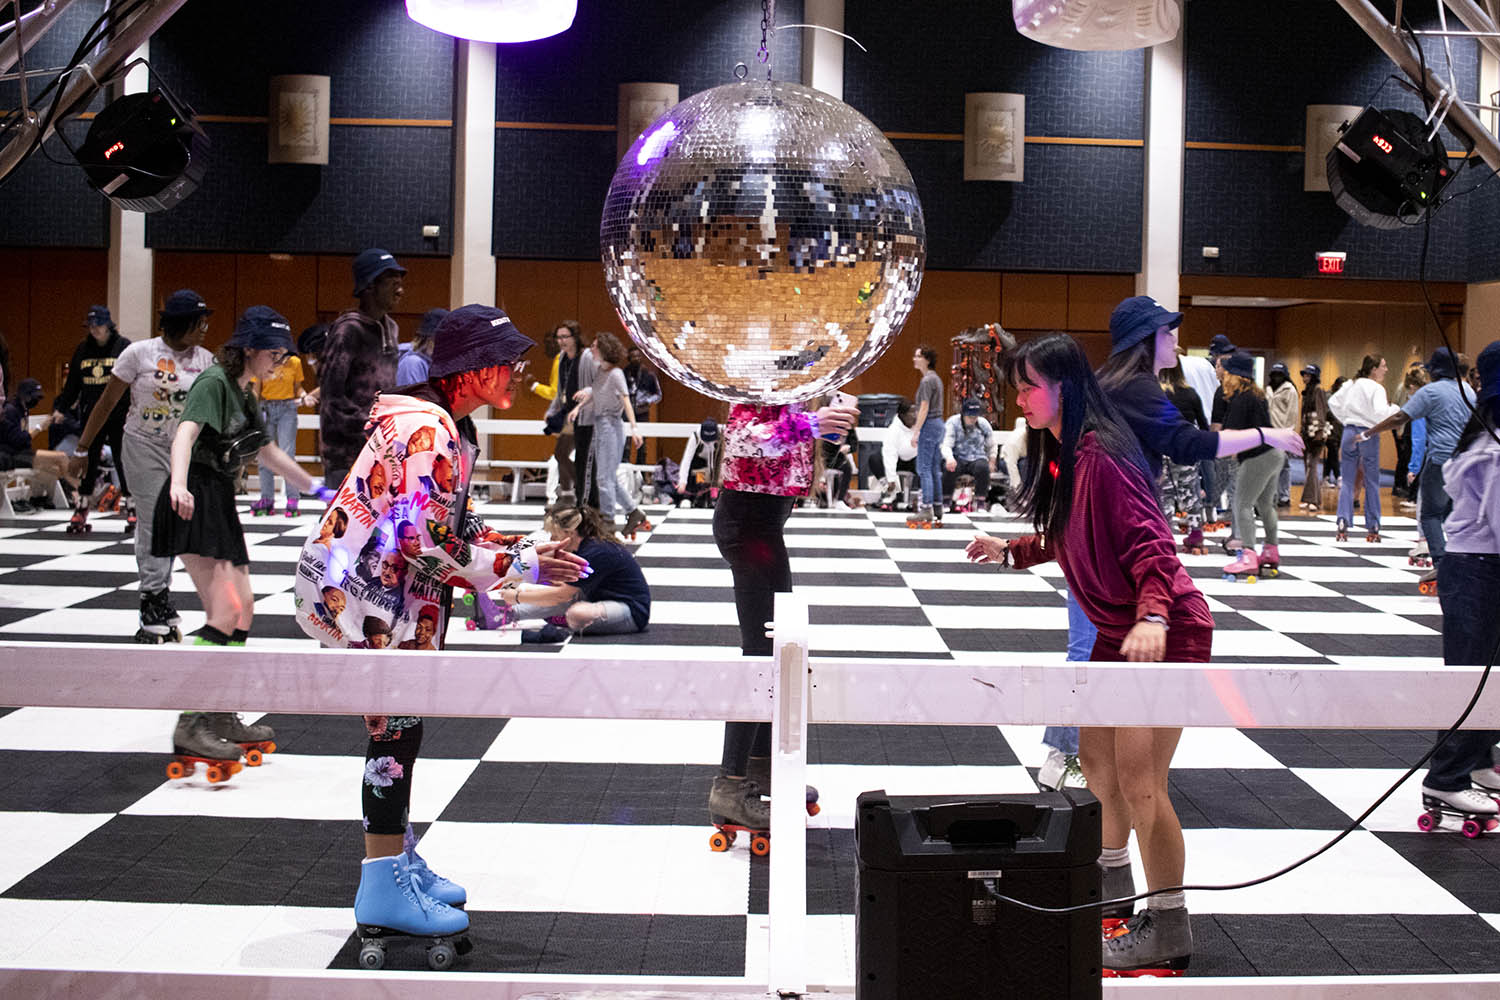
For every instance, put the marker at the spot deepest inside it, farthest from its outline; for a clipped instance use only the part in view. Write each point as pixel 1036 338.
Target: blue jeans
pixel 1436 505
pixel 280 416
pixel 930 461
pixel 1081 636
pixel 1364 456
pixel 1467 583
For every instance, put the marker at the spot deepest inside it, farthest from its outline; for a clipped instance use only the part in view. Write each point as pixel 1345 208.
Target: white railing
pixel 790 690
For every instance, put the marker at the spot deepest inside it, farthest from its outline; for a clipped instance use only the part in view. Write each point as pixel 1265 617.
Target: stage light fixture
pixel 1385 171
pixel 494 20
pixel 145 152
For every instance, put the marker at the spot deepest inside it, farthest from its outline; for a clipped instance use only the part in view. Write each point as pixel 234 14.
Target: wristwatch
pixel 1156 620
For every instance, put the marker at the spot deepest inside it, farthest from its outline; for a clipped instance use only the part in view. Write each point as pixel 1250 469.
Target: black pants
pixel 1466 588
pixel 113 435
pixel 978 468
pixel 385 793
pixel 584 479
pixel 1403 484
pixel 749 531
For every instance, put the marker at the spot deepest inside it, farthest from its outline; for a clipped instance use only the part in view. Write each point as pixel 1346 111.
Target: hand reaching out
pixel 987 549
pixel 556 565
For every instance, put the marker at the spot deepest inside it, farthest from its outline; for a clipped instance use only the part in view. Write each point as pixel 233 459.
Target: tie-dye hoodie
pixel 374 570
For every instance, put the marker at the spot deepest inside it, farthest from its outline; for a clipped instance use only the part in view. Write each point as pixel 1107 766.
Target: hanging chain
pixel 767 21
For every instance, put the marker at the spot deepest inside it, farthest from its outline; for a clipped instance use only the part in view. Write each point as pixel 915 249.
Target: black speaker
pixel 927 920
pixel 878 409
pixel 144 152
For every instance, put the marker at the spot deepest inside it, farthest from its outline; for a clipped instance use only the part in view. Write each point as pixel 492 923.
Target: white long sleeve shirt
pixel 1361 402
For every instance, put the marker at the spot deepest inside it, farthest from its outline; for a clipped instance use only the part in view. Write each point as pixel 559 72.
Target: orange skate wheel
pixel 253 757
pixel 760 845
pixel 269 746
pixel 718 842
pixel 216 774
pixel 176 770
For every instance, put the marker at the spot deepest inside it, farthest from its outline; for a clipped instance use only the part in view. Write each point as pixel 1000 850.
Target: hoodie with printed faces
pixel 375 570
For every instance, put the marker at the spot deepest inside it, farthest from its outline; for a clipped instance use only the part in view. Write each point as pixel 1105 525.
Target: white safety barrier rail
pixel 790 690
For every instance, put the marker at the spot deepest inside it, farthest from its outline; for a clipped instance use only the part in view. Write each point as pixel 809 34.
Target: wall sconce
pixel 994 137
pixel 297 130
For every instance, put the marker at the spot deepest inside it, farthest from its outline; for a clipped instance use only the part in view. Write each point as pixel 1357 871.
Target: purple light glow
pixel 656 143
pixel 494 20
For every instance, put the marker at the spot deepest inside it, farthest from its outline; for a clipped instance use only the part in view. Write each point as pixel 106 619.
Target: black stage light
pixel 1384 170
pixel 145 152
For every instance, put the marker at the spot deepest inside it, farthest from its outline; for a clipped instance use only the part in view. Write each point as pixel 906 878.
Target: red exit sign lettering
pixel 1331 262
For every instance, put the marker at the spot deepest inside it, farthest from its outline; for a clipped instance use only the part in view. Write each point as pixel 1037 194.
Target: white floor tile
pixel 298 786
pixel 625 741
pixel 1353 789
pixel 88 730
pixel 1369 876
pixel 590 869
pixel 34 838
pixel 14 596
pixel 1337 622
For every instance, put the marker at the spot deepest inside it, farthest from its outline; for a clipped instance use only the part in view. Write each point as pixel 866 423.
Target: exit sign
pixel 1331 262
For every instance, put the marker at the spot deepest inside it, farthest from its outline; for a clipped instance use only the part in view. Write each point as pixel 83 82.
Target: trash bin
pixel 876 409
pixel 927 920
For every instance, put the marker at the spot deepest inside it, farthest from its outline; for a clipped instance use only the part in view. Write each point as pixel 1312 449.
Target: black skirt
pixel 214 532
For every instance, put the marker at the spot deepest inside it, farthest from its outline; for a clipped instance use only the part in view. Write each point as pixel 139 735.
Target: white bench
pixel 490 427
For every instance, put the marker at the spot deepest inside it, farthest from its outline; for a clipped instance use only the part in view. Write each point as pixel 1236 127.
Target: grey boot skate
pixel 156 620
pixel 758 770
pixel 255 741
pixel 734 804
pixel 1151 942
pixel 194 742
pixel 1116 883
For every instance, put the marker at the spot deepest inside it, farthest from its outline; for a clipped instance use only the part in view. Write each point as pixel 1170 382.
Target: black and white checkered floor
pixel 584 844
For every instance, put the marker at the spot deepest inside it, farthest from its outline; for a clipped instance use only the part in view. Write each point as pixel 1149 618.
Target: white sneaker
pixel 1487 778
pixel 1054 769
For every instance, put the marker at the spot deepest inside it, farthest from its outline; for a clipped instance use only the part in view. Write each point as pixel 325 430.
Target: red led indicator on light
pixel 111 151
pixel 1381 144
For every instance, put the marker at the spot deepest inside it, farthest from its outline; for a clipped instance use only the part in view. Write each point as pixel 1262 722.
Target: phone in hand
pixel 847 401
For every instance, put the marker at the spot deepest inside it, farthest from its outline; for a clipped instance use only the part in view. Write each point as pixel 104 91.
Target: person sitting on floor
pixel 16 451
pixel 612 599
pixel 968 448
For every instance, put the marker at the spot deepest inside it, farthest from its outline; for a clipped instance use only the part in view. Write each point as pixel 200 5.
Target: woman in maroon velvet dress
pixel 1095 511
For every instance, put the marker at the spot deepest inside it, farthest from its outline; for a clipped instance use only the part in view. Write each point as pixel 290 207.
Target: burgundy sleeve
pixel 1139 534
pixel 1028 551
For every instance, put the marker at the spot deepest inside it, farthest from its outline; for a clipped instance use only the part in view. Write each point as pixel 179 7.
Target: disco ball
pixel 762 242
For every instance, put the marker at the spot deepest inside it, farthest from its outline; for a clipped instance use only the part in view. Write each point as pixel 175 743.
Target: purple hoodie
pixel 1472 479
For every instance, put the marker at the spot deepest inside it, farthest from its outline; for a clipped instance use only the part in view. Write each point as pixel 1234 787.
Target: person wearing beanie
pixel 416 357
pixel 406 498
pixel 156 376
pixel 969 448
pixel 1461 778
pixel 1315 430
pixel 1282 399
pixel 196 517
pixel 1256 473
pixel 1445 403
pixel 358 360
pixel 89 373
pixel 16 451
pixel 1360 405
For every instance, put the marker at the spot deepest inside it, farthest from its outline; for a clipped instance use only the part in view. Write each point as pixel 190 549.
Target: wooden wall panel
pixel 1034 302
pixel 285 282
pixel 1092 297
pixel 64 283
pixel 15 315
pixel 211 275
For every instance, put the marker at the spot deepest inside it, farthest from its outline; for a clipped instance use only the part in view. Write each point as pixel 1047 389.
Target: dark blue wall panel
pixel 1250 79
pixel 380 187
pixel 1078 210
pixel 573 77
pixel 550 184
pixel 47 204
pixel 219 57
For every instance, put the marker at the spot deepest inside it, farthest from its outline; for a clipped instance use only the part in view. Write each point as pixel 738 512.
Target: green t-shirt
pixel 225 412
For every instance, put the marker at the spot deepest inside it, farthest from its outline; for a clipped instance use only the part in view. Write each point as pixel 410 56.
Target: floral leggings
pixel 385 794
